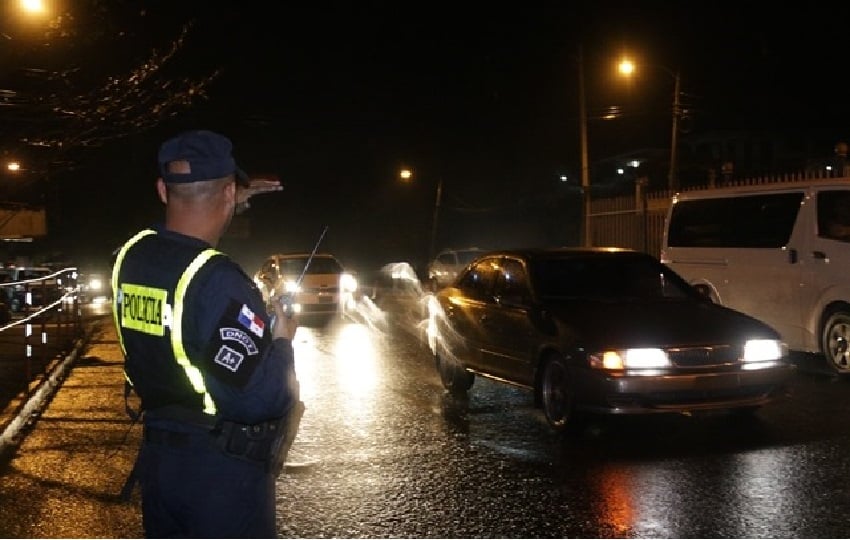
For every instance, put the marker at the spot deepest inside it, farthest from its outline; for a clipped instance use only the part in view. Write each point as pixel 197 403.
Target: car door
pixel 826 261
pixel 508 334
pixel 466 310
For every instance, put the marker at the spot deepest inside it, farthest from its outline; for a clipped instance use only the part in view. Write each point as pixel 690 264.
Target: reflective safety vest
pixel 148 314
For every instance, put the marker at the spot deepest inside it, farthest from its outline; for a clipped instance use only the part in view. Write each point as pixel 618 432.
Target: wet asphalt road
pixel 384 452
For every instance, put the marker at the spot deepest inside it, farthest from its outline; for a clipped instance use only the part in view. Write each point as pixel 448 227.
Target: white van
pixel 779 252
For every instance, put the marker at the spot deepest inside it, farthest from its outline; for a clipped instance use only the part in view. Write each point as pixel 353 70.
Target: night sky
pixel 333 100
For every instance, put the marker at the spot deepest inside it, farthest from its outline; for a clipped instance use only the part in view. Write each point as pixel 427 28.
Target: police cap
pixel 198 155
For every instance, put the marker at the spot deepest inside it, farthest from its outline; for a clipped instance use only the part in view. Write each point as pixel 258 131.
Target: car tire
pixel 454 377
pixel 557 395
pixel 835 339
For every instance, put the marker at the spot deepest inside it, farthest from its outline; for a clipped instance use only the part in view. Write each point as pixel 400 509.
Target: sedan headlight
pixel 642 358
pixel 762 353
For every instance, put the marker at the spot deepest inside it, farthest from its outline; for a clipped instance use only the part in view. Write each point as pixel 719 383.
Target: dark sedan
pixel 601 330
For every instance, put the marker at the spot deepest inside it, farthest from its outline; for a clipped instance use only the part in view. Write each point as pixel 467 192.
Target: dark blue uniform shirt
pixel 226 334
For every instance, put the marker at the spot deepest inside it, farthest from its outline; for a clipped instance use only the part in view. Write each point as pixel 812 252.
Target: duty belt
pixel 250 442
pixel 265 443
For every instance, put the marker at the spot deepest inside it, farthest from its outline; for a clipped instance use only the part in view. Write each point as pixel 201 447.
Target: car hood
pixel 315 281
pixel 657 323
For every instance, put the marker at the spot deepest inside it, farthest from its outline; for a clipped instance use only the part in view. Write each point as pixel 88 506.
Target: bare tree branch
pixel 53 110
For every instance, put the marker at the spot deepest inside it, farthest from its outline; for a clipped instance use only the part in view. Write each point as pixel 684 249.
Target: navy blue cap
pixel 198 155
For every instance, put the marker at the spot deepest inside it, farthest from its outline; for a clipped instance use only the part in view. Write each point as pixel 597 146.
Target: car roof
pixel 538 252
pixel 456 250
pixel 754 189
pixel 301 255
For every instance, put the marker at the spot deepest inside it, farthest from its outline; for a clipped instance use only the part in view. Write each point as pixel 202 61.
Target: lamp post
pixel 672 178
pixel 585 172
pixel 406 175
pixel 437 201
pixel 627 68
pixel 587 236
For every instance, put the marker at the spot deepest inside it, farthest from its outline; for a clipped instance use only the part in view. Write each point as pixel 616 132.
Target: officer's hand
pixel 285 323
pixel 258 185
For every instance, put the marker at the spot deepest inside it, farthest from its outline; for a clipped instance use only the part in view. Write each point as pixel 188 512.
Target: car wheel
pixel 557 395
pixel 454 377
pixel 835 340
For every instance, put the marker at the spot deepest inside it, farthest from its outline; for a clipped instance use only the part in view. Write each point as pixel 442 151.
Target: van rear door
pixel 827 260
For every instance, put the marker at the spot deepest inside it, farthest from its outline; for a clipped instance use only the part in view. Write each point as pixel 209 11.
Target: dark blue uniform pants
pixel 193 490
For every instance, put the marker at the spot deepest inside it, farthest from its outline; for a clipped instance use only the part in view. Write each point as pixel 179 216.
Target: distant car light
pixel 95 284
pixel 347 283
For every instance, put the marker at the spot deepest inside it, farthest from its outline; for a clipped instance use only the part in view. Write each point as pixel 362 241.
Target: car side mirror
pixel 704 291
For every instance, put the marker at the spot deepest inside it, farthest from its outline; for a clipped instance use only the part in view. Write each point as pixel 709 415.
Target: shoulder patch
pixel 238 344
pixel 229 358
pixel 251 321
pixel 239 336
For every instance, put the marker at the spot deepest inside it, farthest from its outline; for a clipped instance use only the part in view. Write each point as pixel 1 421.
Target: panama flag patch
pixel 251 321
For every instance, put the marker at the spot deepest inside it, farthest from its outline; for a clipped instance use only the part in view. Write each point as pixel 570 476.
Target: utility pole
pixel 672 179
pixel 585 171
pixel 431 250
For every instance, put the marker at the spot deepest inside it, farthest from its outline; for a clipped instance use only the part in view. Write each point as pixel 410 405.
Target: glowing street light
pixel 406 175
pixel 585 162
pixel 36 7
pixel 627 68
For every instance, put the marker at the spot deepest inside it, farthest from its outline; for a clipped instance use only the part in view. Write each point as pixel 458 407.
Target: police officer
pixel 213 370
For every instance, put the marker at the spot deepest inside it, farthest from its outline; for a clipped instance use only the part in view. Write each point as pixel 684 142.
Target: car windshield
pixel 319 265
pixel 465 257
pixel 607 276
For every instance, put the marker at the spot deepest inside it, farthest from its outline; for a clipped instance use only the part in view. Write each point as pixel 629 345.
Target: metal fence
pixel 35 335
pixel 637 221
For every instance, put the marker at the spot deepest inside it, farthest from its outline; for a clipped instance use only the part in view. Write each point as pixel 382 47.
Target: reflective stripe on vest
pixel 194 375
pixel 115 268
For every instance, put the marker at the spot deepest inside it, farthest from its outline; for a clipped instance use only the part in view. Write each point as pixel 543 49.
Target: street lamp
pixel 587 239
pixel 33 6
pixel 26 12
pixel 406 175
pixel 627 68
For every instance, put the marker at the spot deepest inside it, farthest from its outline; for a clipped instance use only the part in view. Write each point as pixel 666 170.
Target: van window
pixel 756 221
pixel 834 215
